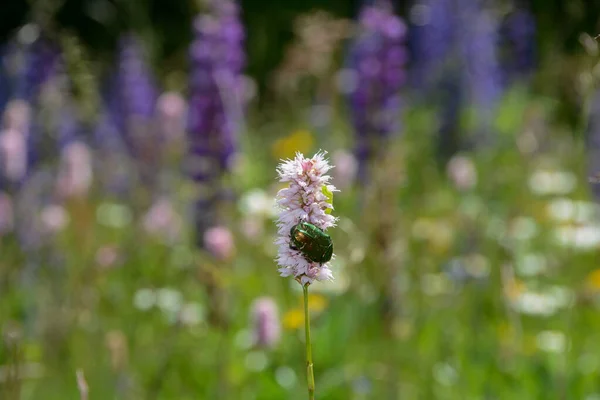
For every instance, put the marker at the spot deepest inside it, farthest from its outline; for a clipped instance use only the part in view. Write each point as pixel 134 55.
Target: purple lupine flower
pixel 217 59
pixel 215 105
pixel 41 62
pixel 116 177
pixel 436 76
pixel 478 38
pixel 4 81
pixel 432 38
pixel 593 144
pixel 518 46
pixel 30 66
pixel 68 126
pixel 455 66
pixel 135 94
pixel 378 58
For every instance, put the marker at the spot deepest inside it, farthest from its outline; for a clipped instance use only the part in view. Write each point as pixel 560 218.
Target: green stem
pixel 310 377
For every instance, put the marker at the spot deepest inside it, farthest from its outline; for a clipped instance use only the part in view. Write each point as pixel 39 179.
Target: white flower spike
pixel 308 199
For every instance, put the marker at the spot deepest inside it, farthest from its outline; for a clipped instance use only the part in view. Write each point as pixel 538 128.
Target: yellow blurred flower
pixel 300 140
pixel 514 289
pixel 317 302
pixel 593 280
pixel 293 319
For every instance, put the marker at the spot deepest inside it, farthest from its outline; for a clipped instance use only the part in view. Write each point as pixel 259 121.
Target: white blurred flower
pixel 303 200
pixel 462 172
pixel 564 209
pixel 584 237
pixel 169 300
pixel 257 202
pixel 144 299
pixel 542 303
pixel 54 218
pixel 531 264
pixel 543 182
pixel 551 341
pixel 523 228
pixel 191 314
pixel 445 374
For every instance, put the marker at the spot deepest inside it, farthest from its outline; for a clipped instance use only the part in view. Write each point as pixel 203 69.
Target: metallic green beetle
pixel 314 244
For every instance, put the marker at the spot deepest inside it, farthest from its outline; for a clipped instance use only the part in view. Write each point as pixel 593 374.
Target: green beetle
pixel 314 244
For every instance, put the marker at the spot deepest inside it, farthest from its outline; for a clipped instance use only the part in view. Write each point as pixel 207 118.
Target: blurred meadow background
pixel 138 146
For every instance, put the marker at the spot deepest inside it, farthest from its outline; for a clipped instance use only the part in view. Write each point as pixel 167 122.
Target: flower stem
pixel 310 378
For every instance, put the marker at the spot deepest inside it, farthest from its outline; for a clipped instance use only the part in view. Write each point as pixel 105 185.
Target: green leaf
pixel 329 194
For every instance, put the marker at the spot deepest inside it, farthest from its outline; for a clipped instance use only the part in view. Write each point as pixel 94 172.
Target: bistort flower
pixel 306 199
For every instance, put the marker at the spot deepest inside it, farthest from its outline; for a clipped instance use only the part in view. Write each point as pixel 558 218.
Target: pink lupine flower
pixel 162 220
pixel 303 200
pixel 13 153
pixel 172 110
pixel 75 174
pixel 346 167
pixel 265 322
pixel 6 214
pixel 218 240
pixel 17 116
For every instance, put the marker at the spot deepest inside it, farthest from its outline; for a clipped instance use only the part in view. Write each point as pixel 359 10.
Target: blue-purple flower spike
pixel 42 59
pixel 42 63
pixel 4 83
pixel 518 46
pixel 432 41
pixel 217 58
pixel 215 105
pixel 593 144
pixel 378 58
pixel 478 39
pixel 454 49
pixel 133 107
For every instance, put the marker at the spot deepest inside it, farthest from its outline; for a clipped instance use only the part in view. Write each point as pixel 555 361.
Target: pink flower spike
pixel 303 200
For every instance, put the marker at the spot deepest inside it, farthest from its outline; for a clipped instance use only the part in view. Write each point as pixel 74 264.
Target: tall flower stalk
pixel 517 45
pixel 310 374
pixel 307 200
pixel 131 102
pixel 456 68
pixel 215 105
pixel 378 58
